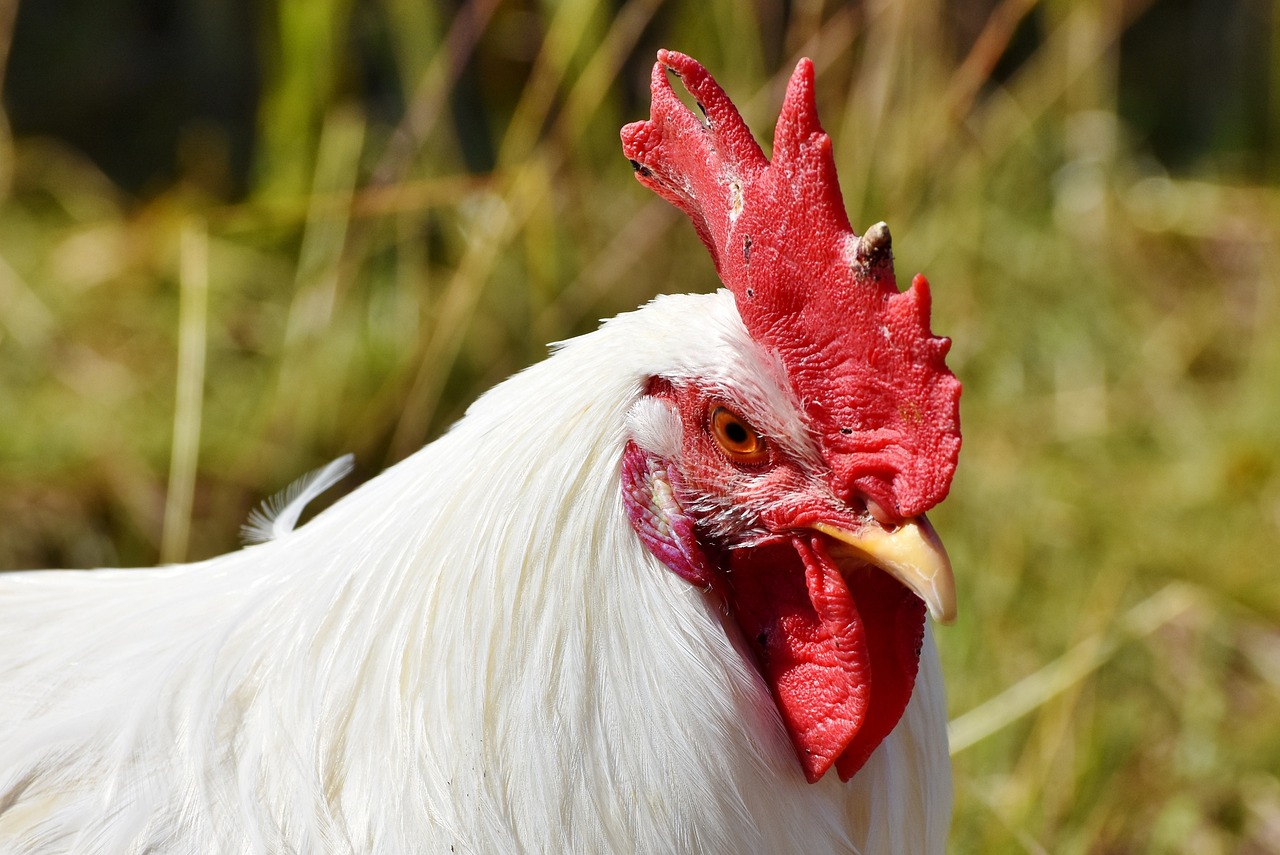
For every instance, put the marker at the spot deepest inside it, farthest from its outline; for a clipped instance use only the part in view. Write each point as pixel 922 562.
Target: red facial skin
pixel 837 643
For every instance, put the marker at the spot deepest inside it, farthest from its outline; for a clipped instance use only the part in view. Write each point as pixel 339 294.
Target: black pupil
pixel 736 433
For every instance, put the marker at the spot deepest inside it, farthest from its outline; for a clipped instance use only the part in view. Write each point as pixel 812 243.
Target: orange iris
pixel 737 439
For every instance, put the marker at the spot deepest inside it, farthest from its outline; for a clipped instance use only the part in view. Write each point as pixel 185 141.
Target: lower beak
pixel 911 553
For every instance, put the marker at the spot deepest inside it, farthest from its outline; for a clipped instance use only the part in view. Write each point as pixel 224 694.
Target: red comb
pixel 858 352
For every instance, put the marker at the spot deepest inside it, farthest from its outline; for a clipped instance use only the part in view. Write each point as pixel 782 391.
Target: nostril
pixel 879 514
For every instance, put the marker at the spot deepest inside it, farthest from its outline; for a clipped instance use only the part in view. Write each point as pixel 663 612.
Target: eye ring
pixel 740 442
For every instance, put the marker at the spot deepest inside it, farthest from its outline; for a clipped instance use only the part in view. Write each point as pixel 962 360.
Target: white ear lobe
pixel 654 425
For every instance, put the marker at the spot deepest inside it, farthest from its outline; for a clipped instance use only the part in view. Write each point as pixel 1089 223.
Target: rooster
pixel 664 591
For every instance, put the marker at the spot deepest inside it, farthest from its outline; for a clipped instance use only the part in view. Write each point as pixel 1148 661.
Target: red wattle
pixel 839 656
pixel 893 619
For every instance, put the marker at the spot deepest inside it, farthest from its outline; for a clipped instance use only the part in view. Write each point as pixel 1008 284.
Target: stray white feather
pixel 278 515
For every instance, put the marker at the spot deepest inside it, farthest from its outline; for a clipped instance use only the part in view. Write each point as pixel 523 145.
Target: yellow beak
pixel 911 553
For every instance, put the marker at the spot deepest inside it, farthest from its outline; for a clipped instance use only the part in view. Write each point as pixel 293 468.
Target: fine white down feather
pixel 470 653
pixel 279 514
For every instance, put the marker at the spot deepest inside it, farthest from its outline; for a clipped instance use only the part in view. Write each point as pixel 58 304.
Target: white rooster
pixel 640 599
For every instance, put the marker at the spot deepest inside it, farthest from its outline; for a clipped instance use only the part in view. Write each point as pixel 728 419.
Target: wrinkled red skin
pixel 860 354
pixel 840 651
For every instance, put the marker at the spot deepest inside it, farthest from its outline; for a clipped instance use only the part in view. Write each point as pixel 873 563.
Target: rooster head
pixel 794 483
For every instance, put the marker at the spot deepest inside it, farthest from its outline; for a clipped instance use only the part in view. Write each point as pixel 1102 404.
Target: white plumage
pixel 472 652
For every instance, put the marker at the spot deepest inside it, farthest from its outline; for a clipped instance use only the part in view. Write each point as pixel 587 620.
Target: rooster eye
pixel 737 438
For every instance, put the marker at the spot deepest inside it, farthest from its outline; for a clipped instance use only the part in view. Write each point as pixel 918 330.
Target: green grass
pixel 1115 522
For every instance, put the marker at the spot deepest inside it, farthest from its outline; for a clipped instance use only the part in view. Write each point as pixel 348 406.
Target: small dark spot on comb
pixel 641 169
pixel 846 431
pixel 762 639
pixel 751 292
pixel 746 249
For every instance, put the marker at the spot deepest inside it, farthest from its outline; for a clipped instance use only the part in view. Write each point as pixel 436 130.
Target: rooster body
pixel 663 591
pixel 471 653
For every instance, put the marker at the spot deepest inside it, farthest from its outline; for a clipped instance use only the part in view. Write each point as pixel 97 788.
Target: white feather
pixel 470 653
pixel 655 426
pixel 278 515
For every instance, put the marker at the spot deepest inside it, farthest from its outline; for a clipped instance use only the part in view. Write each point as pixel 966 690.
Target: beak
pixel 911 553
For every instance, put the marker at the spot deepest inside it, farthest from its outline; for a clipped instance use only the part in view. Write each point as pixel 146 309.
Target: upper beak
pixel 911 553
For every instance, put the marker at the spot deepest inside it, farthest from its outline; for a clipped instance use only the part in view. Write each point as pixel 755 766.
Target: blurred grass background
pixel 239 238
